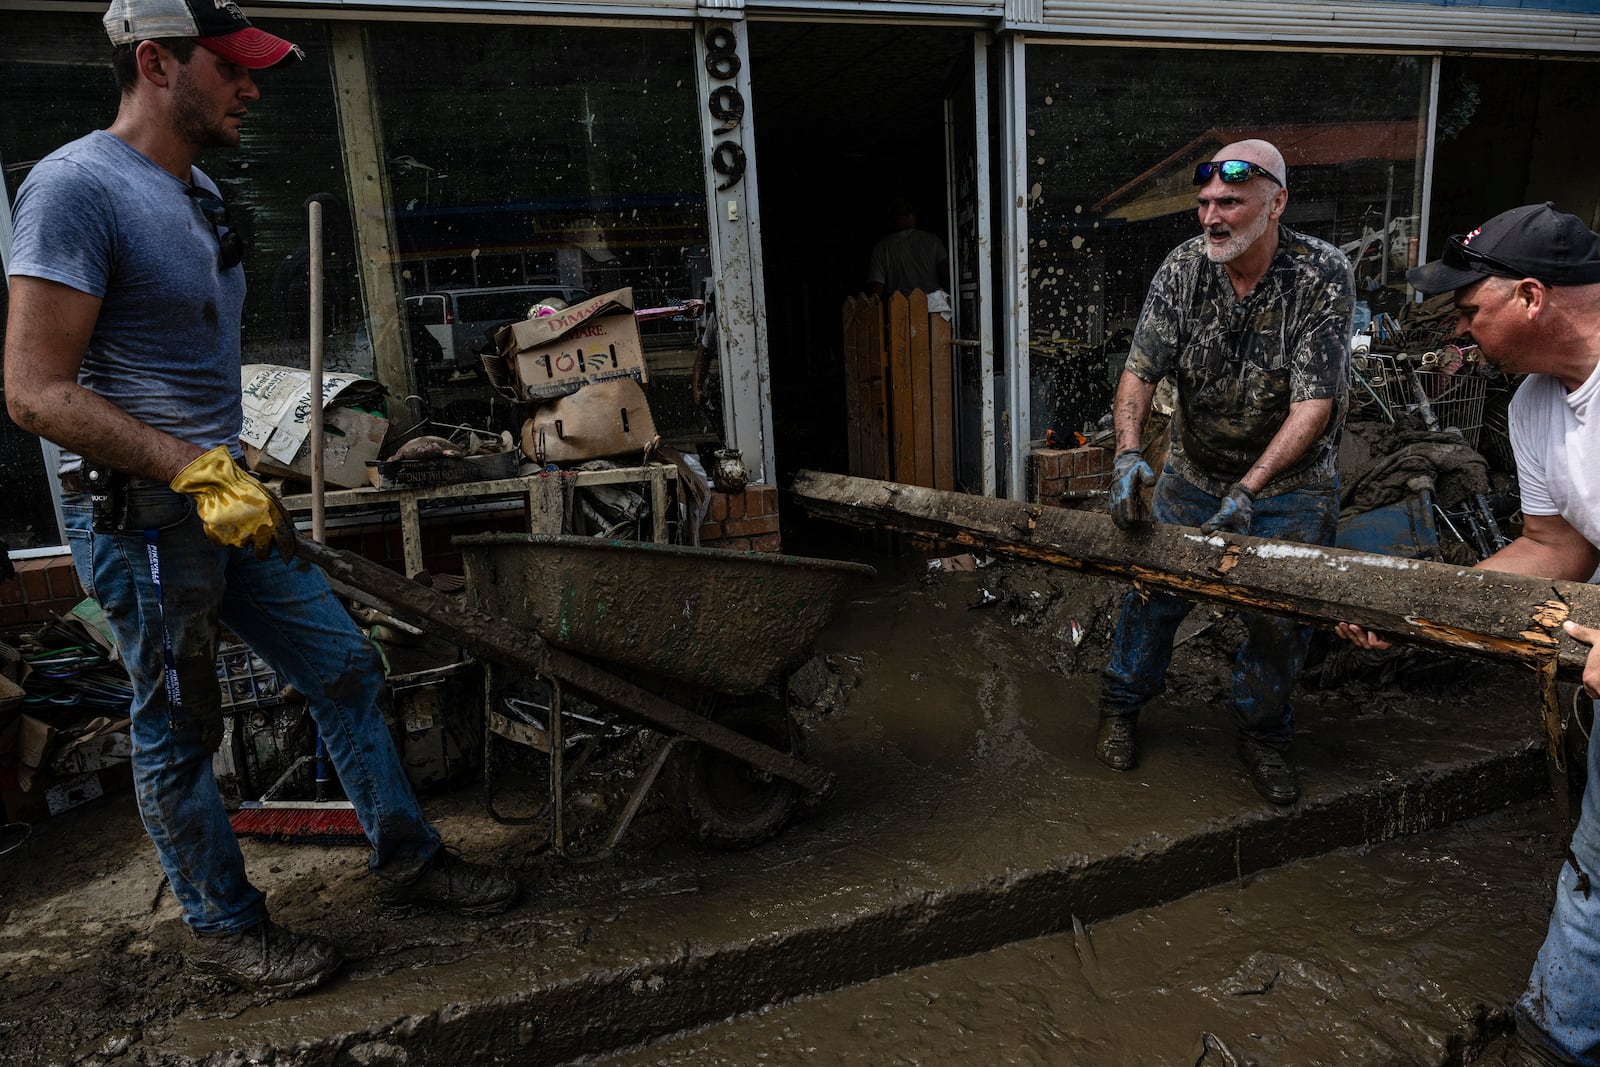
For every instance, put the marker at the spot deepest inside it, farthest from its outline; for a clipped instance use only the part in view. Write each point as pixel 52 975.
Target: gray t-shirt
pixel 101 217
pixel 907 260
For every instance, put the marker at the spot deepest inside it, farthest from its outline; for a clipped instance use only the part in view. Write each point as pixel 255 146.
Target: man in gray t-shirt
pixel 908 258
pixel 122 346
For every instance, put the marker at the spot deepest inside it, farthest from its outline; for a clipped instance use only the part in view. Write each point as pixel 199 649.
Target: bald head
pixel 1262 153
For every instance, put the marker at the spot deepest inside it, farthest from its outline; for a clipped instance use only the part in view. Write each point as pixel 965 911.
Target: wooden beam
pixel 1486 614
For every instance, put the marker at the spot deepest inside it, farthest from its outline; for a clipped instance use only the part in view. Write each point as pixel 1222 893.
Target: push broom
pixel 321 820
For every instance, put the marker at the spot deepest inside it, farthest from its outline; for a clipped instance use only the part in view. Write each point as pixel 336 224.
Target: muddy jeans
pixel 288 616
pixel 1560 1011
pixel 1274 648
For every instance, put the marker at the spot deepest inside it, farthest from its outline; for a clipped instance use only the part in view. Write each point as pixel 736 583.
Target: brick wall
pixel 44 587
pixel 745 521
pixel 1053 472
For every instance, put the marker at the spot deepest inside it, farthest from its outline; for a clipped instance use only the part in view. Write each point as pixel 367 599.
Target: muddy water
pixel 1407 954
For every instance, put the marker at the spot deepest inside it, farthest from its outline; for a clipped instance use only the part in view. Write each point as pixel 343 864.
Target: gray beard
pixel 1235 245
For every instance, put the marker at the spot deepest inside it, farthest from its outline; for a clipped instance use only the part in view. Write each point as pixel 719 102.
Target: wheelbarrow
pixel 696 628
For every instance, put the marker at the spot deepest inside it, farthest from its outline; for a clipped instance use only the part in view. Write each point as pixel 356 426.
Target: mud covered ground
pixel 90 952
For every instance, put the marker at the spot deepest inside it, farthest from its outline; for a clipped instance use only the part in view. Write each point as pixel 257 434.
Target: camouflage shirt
pixel 1239 364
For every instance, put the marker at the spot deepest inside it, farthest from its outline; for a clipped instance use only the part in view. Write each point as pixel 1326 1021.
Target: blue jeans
pixel 286 613
pixel 1274 648
pixel 1561 1009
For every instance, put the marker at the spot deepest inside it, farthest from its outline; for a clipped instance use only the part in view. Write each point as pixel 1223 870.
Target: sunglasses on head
pixel 1462 256
pixel 1233 170
pixel 230 246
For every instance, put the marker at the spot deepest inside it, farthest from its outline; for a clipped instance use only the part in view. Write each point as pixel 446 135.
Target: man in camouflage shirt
pixel 1252 320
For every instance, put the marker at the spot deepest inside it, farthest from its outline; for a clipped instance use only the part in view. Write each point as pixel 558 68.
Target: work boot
pixel 1116 745
pixel 451 882
pixel 264 959
pixel 1269 771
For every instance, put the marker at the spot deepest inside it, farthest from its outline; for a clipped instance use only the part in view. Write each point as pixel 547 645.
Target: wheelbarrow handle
pixel 522 649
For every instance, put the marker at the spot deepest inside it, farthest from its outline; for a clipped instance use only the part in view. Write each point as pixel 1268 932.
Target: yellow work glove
pixel 237 510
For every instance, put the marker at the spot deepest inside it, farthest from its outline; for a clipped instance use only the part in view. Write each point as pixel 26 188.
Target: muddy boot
pixel 451 882
pixel 263 959
pixel 1269 771
pixel 1117 745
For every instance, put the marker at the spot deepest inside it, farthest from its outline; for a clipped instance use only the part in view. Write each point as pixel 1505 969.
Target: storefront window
pixel 56 84
pixel 538 162
pixel 1113 138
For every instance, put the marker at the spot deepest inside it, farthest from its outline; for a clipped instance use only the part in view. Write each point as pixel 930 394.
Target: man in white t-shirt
pixel 908 258
pixel 1527 284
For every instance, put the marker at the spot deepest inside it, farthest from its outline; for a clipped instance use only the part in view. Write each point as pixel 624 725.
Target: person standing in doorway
pixel 1527 286
pixel 1253 321
pixel 123 347
pixel 908 258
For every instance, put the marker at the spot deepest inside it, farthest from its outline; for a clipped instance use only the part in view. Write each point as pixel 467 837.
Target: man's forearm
pixel 1304 424
pixel 1131 409
pixel 76 419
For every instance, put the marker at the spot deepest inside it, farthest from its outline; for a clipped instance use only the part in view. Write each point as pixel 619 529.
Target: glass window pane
pixel 543 161
pixel 1113 138
pixel 56 84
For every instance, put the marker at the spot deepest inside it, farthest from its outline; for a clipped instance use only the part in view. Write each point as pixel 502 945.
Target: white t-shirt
pixel 1556 438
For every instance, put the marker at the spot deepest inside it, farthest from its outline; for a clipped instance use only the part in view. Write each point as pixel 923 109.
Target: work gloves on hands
pixel 237 510
pixel 1234 514
pixel 1130 476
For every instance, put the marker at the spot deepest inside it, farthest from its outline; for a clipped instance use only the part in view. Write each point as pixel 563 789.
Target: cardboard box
pixel 605 419
pixel 277 424
pixel 47 797
pixel 551 357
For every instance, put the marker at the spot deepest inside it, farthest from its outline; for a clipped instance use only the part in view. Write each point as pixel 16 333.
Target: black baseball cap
pixel 219 25
pixel 1533 241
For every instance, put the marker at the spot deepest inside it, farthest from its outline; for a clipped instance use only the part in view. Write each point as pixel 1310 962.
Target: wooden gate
pixel 899 390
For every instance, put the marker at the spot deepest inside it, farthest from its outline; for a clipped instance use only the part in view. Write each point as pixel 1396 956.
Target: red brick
pixel 766 543
pixel 12 615
pixel 736 505
pixel 761 500
pixel 63 579
pixel 710 531
pixel 35 586
pixel 1089 482
pixel 1099 460
pixel 750 527
pixel 719 507
pixel 733 544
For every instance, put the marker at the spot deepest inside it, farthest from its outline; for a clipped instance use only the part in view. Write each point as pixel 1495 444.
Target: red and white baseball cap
pixel 219 25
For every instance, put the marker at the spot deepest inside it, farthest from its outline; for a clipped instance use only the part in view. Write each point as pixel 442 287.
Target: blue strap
pixel 168 660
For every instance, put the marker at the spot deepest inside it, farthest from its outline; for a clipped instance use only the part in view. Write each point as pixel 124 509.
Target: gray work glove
pixel 1130 476
pixel 1234 514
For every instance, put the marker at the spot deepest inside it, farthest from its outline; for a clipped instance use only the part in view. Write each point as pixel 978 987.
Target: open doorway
pixel 846 118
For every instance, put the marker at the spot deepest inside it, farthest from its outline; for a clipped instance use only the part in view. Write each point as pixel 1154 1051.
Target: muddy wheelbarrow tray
pixel 724 621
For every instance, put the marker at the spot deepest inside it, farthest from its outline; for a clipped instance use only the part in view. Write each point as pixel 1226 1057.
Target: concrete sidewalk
pixel 970 814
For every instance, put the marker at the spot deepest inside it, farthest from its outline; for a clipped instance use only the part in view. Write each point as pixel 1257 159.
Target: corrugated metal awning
pixel 1421 26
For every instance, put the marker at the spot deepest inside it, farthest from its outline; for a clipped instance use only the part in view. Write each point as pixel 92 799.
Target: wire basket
pixel 245 679
pixel 1383 389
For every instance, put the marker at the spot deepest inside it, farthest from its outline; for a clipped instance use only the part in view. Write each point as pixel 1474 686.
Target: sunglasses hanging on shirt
pixel 230 246
pixel 1233 171
pixel 1462 256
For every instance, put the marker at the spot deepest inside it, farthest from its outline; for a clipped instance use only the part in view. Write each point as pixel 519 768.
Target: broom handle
pixel 318 512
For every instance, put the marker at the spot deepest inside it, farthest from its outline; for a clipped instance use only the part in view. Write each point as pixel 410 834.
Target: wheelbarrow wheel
pixel 725 802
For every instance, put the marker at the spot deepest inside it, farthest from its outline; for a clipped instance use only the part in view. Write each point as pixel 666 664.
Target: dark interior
pixel 846 118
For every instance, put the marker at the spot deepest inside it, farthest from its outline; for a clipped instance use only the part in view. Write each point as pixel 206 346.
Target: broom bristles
pixel 328 823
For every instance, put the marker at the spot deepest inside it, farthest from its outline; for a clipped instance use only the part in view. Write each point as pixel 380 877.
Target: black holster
pixel 108 496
